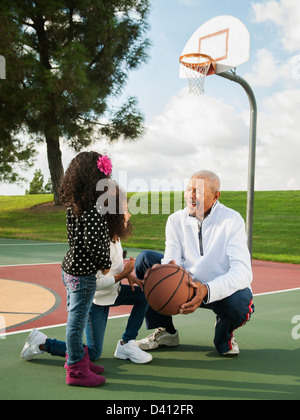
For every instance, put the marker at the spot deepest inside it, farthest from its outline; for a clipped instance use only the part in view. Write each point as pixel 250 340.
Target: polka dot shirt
pixel 89 243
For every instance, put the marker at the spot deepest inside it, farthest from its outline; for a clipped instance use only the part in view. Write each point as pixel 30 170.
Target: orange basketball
pixel 167 287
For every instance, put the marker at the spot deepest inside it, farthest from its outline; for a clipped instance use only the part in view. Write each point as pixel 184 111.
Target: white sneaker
pixel 32 344
pixel 160 337
pixel 234 351
pixel 132 352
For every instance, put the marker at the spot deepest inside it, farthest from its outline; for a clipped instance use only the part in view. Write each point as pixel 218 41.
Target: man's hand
pixel 200 294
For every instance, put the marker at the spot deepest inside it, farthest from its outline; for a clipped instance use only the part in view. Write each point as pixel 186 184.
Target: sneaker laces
pixel 156 334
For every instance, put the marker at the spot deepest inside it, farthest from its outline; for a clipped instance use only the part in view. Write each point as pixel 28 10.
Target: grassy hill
pixel 276 230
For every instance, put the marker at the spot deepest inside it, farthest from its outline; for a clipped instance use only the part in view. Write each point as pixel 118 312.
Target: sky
pixel 185 133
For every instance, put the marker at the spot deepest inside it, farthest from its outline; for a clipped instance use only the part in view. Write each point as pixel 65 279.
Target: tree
pixel 13 152
pixel 48 188
pixel 65 60
pixel 36 185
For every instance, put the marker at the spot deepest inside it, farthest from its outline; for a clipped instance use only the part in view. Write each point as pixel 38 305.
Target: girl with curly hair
pixel 89 251
pixel 111 217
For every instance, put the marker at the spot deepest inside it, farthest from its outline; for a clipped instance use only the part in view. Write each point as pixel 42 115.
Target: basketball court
pixel 33 296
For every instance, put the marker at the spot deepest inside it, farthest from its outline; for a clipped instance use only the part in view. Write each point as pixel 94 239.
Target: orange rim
pixel 198 66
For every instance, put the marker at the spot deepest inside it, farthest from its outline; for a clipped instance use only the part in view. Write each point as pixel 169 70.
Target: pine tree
pixel 36 185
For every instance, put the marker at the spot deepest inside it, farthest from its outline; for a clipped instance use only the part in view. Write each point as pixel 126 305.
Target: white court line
pixel 276 291
pixel 21 265
pixel 53 326
pixel 123 316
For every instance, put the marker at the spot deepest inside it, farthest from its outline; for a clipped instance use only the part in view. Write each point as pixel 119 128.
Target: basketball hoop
pixel 196 67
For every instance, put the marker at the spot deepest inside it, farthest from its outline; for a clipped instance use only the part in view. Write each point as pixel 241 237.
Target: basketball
pixel 167 287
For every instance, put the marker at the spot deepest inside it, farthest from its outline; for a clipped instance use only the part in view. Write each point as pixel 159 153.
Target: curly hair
pixel 78 188
pixel 79 191
pixel 116 219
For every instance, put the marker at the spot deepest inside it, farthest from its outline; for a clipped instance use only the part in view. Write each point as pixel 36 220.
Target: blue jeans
pixel 232 312
pixel 97 321
pixel 96 326
pixel 80 294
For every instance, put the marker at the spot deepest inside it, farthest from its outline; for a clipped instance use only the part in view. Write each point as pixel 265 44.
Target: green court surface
pixel 14 251
pixel 267 368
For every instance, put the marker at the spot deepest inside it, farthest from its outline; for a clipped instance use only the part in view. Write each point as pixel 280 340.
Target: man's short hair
pixel 210 176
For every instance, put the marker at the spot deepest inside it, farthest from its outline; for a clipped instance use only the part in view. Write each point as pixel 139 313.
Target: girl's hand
pixel 129 266
pixel 126 270
pixel 133 280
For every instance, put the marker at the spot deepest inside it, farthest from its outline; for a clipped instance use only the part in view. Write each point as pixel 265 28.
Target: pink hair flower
pixel 104 165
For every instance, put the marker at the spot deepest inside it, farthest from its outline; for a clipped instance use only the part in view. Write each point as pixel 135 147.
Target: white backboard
pixel 225 38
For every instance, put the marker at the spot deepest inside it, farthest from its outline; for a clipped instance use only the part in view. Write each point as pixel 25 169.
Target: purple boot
pixel 80 374
pixel 93 368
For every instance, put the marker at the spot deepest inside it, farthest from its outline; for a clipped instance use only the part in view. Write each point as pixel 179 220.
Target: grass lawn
pixel 276 230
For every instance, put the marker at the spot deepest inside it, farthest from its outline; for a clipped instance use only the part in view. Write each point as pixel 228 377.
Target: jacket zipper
pixel 200 238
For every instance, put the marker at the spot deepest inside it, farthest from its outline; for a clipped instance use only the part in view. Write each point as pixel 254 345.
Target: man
pixel 208 240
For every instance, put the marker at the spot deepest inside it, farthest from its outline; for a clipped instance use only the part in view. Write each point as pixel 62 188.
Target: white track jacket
pixel 214 252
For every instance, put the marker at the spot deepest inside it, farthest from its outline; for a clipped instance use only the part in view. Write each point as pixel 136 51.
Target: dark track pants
pixel 232 312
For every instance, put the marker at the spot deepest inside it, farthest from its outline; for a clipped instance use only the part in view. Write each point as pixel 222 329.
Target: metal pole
pixel 252 148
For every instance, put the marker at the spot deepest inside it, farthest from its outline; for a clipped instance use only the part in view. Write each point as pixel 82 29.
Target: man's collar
pixel 208 213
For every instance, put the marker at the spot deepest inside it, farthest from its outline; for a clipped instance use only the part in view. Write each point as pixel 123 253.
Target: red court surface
pixel 267 277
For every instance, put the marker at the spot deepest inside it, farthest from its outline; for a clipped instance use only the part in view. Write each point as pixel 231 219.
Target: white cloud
pixel 278 142
pixel 285 14
pixel 192 133
pixel 266 70
pixel 204 132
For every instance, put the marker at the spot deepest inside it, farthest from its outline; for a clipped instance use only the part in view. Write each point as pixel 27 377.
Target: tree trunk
pixel 55 165
pixel 50 118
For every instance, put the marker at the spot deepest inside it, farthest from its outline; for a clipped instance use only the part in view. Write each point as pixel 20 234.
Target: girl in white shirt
pixel 111 292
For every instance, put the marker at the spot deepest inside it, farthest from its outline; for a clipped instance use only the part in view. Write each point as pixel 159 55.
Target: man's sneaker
pixel 32 344
pixel 234 351
pixel 132 352
pixel 160 337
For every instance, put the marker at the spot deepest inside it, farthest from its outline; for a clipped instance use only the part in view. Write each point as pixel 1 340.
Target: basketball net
pixel 196 67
